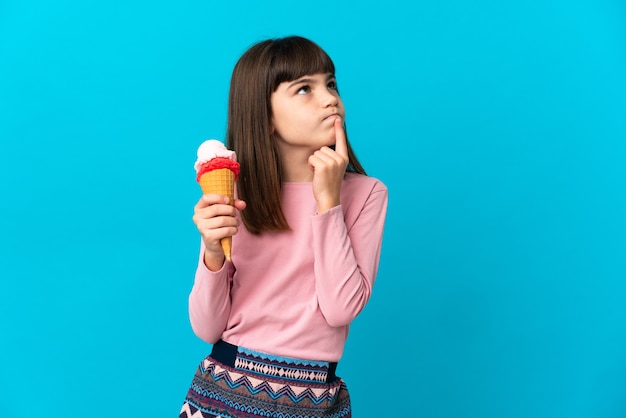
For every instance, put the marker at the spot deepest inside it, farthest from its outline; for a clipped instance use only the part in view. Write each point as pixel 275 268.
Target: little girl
pixel 307 230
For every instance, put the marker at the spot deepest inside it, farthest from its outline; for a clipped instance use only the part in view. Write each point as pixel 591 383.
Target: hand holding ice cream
pixel 217 169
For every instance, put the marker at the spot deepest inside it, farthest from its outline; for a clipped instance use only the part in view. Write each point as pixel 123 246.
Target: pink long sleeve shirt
pixel 294 293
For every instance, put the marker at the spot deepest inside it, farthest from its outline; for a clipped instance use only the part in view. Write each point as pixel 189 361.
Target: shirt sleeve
pixel 209 300
pixel 347 257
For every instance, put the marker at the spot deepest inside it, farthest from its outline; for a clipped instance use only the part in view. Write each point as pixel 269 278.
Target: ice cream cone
pixel 216 171
pixel 220 181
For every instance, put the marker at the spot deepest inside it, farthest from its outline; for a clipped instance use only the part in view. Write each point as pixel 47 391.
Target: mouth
pixel 332 116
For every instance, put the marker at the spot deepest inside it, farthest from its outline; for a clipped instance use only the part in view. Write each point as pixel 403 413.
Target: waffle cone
pixel 220 181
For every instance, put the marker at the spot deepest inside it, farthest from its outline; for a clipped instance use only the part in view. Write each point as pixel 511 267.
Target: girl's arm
pixel 209 300
pixel 347 256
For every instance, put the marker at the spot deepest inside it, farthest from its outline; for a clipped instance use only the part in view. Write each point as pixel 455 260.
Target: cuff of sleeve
pixel 204 270
pixel 330 212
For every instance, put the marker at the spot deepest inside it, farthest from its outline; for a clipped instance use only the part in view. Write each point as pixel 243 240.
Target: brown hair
pixel 256 76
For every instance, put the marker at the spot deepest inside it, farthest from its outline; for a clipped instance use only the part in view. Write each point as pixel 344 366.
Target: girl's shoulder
pixel 359 189
pixel 362 194
pixel 363 182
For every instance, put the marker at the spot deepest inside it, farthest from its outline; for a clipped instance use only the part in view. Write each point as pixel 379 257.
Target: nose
pixel 330 99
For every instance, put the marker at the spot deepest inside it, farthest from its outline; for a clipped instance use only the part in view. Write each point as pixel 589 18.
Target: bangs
pixel 295 57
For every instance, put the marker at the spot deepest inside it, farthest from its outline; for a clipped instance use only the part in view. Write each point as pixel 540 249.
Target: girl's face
pixel 304 111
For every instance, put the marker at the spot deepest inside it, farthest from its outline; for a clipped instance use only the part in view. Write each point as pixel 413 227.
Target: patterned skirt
pixel 235 382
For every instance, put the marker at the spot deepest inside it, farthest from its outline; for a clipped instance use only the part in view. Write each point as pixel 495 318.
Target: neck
pixel 296 171
pixel 295 165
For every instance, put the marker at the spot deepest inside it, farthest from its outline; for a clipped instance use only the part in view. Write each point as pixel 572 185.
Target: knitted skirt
pixel 235 382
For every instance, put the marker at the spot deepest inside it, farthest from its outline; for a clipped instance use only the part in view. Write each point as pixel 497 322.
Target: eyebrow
pixel 310 80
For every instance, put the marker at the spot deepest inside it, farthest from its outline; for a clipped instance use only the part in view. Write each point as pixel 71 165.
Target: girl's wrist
pixel 325 205
pixel 213 261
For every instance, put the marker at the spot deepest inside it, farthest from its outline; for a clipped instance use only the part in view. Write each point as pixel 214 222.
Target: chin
pixel 331 141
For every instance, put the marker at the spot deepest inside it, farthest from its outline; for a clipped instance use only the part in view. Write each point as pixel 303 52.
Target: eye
pixel 304 90
pixel 332 85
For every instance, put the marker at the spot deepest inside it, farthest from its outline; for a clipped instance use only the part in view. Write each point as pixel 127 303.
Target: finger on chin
pixel 341 146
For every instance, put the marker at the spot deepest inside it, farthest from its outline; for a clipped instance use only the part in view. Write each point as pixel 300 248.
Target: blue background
pixel 499 128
